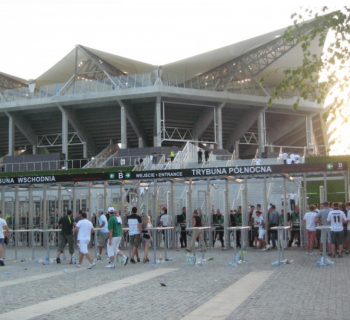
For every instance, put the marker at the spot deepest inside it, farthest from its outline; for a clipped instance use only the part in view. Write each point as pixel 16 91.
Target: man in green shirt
pixel 218 220
pixel 295 220
pixel 115 235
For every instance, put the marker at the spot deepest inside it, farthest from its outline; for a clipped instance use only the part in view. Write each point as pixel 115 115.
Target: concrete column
pixel 65 134
pixel 261 133
pixel 237 149
pixel 140 142
pixel 85 150
pixel 227 216
pixel 34 148
pixel 158 135
pixel 11 141
pixel 74 209
pixel 123 131
pixel 219 126
pixel 309 131
pixel 105 187
pixel 16 208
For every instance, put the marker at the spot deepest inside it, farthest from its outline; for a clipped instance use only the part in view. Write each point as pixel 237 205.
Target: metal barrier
pixel 35 238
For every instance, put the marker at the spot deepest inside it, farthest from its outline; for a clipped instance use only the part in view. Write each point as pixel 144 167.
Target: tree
pixel 319 76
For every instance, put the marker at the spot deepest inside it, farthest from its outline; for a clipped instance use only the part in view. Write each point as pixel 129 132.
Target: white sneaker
pixel 110 266
pixel 126 259
pixel 91 265
pixel 78 266
pixel 265 249
pixel 307 253
pixel 311 253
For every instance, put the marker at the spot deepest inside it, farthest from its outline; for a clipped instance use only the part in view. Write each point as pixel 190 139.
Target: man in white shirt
pixel 84 228
pixel 310 219
pixel 164 223
pixel 257 161
pixel 285 157
pixel 337 218
pixel 104 233
pixel 256 226
pixel 292 198
pixel 3 226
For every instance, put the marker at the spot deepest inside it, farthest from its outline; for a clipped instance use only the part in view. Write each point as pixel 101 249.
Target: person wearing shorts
pixel 114 237
pixel 310 218
pixel 84 228
pixel 135 234
pixel 337 218
pixel 146 236
pixel 104 233
pixel 261 223
pixel 3 226
pixel 66 236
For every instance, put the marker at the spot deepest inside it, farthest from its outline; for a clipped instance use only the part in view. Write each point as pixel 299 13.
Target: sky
pixel 36 34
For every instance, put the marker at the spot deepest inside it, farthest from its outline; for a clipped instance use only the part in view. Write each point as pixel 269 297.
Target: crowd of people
pixel 78 231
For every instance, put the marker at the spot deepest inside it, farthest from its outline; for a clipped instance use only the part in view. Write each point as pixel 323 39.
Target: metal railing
pixel 83 86
pixel 44 165
pixel 101 157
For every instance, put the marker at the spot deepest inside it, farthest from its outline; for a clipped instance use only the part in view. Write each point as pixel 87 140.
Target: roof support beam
pixel 284 128
pixel 218 125
pixel 295 138
pixel 324 132
pixel 24 127
pixel 134 121
pixel 94 59
pixel 245 123
pixel 80 129
pixel 203 122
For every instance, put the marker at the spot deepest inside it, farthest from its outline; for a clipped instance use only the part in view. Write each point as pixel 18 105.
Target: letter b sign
pixel 120 175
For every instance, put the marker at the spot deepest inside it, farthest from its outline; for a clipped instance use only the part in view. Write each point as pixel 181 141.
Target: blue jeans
pixel 273 239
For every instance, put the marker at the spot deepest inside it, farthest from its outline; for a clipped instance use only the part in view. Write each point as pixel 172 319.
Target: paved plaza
pixel 254 290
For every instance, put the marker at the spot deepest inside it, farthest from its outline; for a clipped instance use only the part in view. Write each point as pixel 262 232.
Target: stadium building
pixel 91 98
pixel 95 109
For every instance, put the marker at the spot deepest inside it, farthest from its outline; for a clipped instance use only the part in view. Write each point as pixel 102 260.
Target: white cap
pixel 110 209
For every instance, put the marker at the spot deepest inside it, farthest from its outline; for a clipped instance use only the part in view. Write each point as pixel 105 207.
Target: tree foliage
pixel 318 76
